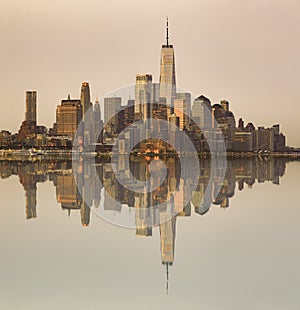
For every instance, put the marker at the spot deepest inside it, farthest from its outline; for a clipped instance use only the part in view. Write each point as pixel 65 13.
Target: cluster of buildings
pixel 207 125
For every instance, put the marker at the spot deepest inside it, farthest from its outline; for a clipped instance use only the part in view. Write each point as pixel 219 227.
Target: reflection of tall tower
pixel 167 230
pixel 167 73
pixel 30 114
pixel 30 203
pixel 85 214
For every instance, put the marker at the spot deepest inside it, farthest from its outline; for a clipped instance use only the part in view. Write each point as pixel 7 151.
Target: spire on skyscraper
pixel 167 31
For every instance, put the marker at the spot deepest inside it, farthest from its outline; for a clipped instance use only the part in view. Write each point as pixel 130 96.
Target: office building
pixel 30 113
pixel 143 96
pixel 202 112
pixel 167 78
pixel 68 117
pixel 112 105
pixel 85 98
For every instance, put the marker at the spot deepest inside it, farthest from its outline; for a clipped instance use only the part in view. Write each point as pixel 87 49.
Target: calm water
pixel 234 246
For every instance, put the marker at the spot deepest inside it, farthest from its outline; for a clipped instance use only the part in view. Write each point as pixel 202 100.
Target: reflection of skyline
pixel 239 173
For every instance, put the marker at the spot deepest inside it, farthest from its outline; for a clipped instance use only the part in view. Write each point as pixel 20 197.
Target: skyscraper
pixel 182 108
pixel 85 99
pixel 68 117
pixel 143 96
pixel 112 105
pixel 30 114
pixel 97 123
pixel 87 114
pixel 167 77
pixel 201 112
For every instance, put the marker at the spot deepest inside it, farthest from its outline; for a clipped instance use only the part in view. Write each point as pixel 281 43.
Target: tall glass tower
pixel 167 78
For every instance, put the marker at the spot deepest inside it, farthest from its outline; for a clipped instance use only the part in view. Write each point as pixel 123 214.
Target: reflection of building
pixel 167 230
pixel 30 203
pixel 67 193
pixel 80 190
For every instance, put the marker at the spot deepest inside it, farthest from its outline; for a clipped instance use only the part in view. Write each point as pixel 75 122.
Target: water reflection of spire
pixel 78 189
pixel 167 272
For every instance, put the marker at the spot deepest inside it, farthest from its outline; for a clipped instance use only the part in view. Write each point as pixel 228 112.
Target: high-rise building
pixel 167 77
pixel 188 101
pixel 68 117
pixel 112 105
pixel 201 112
pixel 182 108
pixel 30 114
pixel 85 99
pixel 96 135
pixel 241 124
pixel 87 113
pixel 264 139
pixel 155 92
pixel 143 96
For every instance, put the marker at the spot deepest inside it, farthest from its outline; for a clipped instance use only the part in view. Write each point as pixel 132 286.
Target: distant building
pixel 155 92
pixel 241 124
pixel 143 96
pixel 279 139
pixel 28 127
pixel 68 117
pixel 126 116
pixel 182 108
pixel 5 138
pixel 226 122
pixel 97 124
pixel 30 113
pixel 201 112
pixel 167 77
pixel 242 141
pixel 112 107
pixel 85 98
pixel 268 139
pixel 264 139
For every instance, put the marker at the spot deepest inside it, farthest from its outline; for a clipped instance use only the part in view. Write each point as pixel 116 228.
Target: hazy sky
pixel 244 51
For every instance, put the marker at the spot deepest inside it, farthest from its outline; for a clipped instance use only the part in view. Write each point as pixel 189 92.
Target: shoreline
pixel 58 155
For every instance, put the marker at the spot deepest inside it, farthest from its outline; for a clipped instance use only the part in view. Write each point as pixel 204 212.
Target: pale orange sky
pixel 243 51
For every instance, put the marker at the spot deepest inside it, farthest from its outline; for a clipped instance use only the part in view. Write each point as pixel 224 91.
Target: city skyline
pixel 265 71
pixel 210 128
